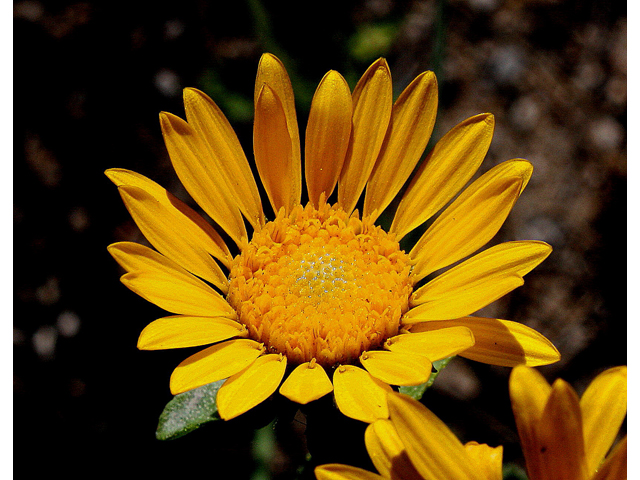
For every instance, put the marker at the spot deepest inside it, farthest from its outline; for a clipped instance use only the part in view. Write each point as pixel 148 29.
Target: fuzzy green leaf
pixel 188 410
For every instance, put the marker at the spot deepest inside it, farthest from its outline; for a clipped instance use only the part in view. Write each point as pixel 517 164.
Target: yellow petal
pixel 604 406
pixel 251 386
pixel 435 345
pixel 272 149
pixel 358 395
pixel 387 451
pixel 173 234
pixel 615 466
pixel 488 460
pixel 336 471
pixel 204 235
pixel 516 167
pixel 166 284
pixel 412 120
pixel 214 363
pixel 225 149
pixel 181 331
pixel 447 168
pixel 397 368
pixel 469 222
pixel 271 72
pixel 372 104
pixel 476 282
pixel 327 136
pixel 529 392
pixel 306 383
pixel 434 450
pixel 499 342
pixel 561 437
pixel 201 176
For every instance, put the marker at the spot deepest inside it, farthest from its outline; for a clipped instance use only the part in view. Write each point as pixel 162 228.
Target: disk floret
pixel 320 284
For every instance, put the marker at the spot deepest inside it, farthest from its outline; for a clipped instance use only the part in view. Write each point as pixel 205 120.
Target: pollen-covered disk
pixel 318 283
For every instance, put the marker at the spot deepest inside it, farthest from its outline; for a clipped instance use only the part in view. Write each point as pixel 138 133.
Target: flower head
pixel 566 438
pixel 320 295
pixel 414 444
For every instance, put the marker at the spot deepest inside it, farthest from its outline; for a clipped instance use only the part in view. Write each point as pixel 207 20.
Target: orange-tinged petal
pixel 499 342
pixel 271 72
pixel 476 282
pixel 412 120
pixel 250 387
pixel 225 149
pixel 201 176
pixel 272 148
pixel 214 363
pixel 529 392
pixel 372 104
pixel 336 471
pixel 359 395
pixel 166 284
pixel 604 406
pixel 434 450
pixel 434 345
pixel 327 136
pixel 396 368
pixel 561 437
pixel 447 168
pixel 173 234
pixel 180 331
pixel 615 466
pixel 488 460
pixel 387 451
pixel 469 222
pixel 306 383
pixel 205 234
pixel 516 167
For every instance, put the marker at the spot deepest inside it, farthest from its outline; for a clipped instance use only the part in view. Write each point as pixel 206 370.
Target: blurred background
pixel 89 81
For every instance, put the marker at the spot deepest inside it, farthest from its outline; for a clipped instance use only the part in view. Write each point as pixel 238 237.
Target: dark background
pixel 89 81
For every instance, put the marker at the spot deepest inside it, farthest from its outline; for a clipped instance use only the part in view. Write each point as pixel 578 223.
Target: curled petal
pixel 214 363
pixel 252 386
pixel 372 103
pixel 447 168
pixel 306 383
pixel 359 395
pixel 397 368
pixel 604 406
pixel 476 282
pixel 180 331
pixel 499 342
pixel 327 136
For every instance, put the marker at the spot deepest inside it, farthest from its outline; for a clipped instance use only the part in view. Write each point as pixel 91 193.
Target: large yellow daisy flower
pixel 414 444
pixel 321 295
pixel 565 437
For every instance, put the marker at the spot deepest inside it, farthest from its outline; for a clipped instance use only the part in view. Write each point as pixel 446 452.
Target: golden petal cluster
pixel 565 437
pixel 360 148
pixel 414 444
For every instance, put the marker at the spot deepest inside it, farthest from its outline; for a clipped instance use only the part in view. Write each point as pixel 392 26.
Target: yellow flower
pixel 319 294
pixel 415 444
pixel 566 438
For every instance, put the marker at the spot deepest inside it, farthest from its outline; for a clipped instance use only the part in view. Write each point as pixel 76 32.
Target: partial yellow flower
pixel 414 444
pixel 566 438
pixel 318 295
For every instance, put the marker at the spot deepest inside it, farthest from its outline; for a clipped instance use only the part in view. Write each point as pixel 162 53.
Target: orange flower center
pixel 320 284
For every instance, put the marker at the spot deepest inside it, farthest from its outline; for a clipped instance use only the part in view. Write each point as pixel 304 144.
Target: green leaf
pixel 416 392
pixel 188 410
pixel 511 471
